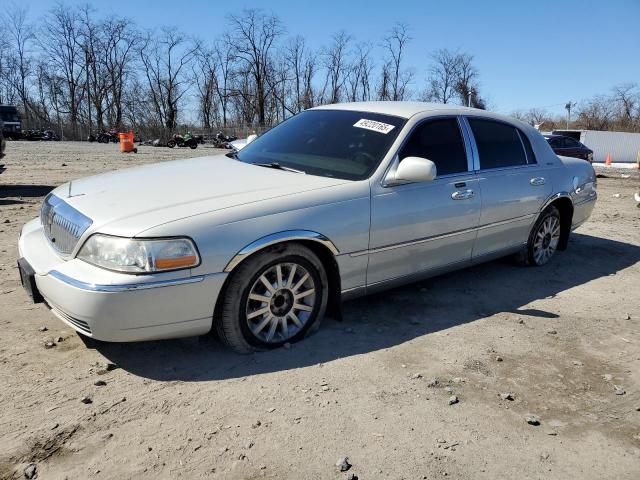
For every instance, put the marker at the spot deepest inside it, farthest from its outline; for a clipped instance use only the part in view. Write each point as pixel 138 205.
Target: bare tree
pixel 119 39
pixel 165 60
pixel 59 41
pixel 295 55
pixel 336 63
pixel 466 81
pixel 359 77
pixel 596 113
pixel 395 44
pixel 253 36
pixel 453 75
pixel 444 73
pixel 383 89
pixel 21 35
pixel 206 80
pixel 310 68
pixel 224 61
pixel 627 97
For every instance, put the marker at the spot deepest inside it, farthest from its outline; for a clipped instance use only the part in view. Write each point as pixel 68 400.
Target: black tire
pixel 171 143
pixel 528 255
pixel 193 145
pixel 230 322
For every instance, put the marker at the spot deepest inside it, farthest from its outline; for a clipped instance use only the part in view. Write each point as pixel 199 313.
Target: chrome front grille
pixel 63 225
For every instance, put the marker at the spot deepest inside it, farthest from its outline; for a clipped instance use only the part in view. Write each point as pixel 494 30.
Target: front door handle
pixel 463 194
pixel 536 181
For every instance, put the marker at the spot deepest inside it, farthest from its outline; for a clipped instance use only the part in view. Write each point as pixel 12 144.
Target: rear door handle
pixel 536 181
pixel 463 194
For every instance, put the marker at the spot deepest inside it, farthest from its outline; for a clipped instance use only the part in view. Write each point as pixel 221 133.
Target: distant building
pixel 623 147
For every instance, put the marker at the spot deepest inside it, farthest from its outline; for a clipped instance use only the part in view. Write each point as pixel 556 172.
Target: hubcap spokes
pixel 280 302
pixel 546 241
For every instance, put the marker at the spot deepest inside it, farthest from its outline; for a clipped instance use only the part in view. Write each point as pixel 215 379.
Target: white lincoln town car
pixel 335 202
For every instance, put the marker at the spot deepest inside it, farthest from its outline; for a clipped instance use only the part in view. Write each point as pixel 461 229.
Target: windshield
pixel 330 143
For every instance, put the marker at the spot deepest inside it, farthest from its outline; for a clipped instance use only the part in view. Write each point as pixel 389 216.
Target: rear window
pixel 498 144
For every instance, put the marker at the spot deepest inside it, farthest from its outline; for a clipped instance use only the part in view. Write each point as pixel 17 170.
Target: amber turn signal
pixel 180 262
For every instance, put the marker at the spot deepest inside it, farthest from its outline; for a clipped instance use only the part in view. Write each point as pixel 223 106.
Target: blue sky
pixel 530 53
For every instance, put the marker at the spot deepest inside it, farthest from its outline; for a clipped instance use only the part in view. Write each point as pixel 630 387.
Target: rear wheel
pixel 544 238
pixel 272 298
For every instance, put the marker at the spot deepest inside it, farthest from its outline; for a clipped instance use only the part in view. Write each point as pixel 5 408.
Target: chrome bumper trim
pixel 92 287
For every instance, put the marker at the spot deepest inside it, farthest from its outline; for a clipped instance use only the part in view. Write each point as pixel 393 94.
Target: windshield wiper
pixel 277 166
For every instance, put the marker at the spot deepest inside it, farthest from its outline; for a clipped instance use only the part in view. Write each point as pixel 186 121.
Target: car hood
pixel 130 201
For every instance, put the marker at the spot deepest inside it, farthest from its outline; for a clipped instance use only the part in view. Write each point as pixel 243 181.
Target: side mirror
pixel 415 169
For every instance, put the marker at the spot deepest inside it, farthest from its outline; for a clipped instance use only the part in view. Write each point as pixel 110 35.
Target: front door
pixel 420 227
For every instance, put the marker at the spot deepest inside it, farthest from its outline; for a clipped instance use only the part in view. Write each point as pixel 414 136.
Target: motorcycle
pixel 49 135
pixel 105 137
pixel 186 140
pixel 223 141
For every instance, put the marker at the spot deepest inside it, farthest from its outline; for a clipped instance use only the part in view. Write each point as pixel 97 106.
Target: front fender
pixel 287 235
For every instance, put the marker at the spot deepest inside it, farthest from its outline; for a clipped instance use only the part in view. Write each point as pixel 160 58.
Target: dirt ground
pixel 563 339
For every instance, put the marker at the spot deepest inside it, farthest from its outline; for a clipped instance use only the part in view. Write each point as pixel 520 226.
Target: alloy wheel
pixel 546 240
pixel 280 302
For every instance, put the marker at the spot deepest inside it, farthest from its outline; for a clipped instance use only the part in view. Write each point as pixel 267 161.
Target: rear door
pixel 420 227
pixel 513 185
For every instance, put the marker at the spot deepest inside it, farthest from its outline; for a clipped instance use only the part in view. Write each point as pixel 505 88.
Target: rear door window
pixel 531 158
pixel 571 143
pixel 441 142
pixel 498 143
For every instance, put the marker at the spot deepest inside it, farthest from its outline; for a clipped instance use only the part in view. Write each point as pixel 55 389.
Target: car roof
pixel 400 109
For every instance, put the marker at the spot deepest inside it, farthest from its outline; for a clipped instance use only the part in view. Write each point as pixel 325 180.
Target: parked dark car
pixel 2 145
pixel 12 126
pixel 569 147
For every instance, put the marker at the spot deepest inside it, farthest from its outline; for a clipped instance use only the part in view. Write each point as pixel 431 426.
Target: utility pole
pixel 569 106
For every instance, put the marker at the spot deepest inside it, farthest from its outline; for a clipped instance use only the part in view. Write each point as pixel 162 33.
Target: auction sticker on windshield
pixel 373 125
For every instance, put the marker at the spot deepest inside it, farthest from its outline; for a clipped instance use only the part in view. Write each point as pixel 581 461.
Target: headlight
pixel 132 255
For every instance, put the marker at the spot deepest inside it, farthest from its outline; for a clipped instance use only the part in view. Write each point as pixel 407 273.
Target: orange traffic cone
pixel 608 160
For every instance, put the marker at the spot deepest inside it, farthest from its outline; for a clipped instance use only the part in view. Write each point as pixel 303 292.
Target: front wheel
pixel 171 143
pixel 274 297
pixel 544 237
pixel 193 145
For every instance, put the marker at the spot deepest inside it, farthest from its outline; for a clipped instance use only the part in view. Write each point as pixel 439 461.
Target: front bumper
pixel 119 307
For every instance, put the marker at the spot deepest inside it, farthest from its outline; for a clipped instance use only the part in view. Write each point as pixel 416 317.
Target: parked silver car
pixel 337 201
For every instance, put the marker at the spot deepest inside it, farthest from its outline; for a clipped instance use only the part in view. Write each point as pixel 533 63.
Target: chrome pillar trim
pixel 472 142
pixel 468 147
pixel 128 287
pixel 285 236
